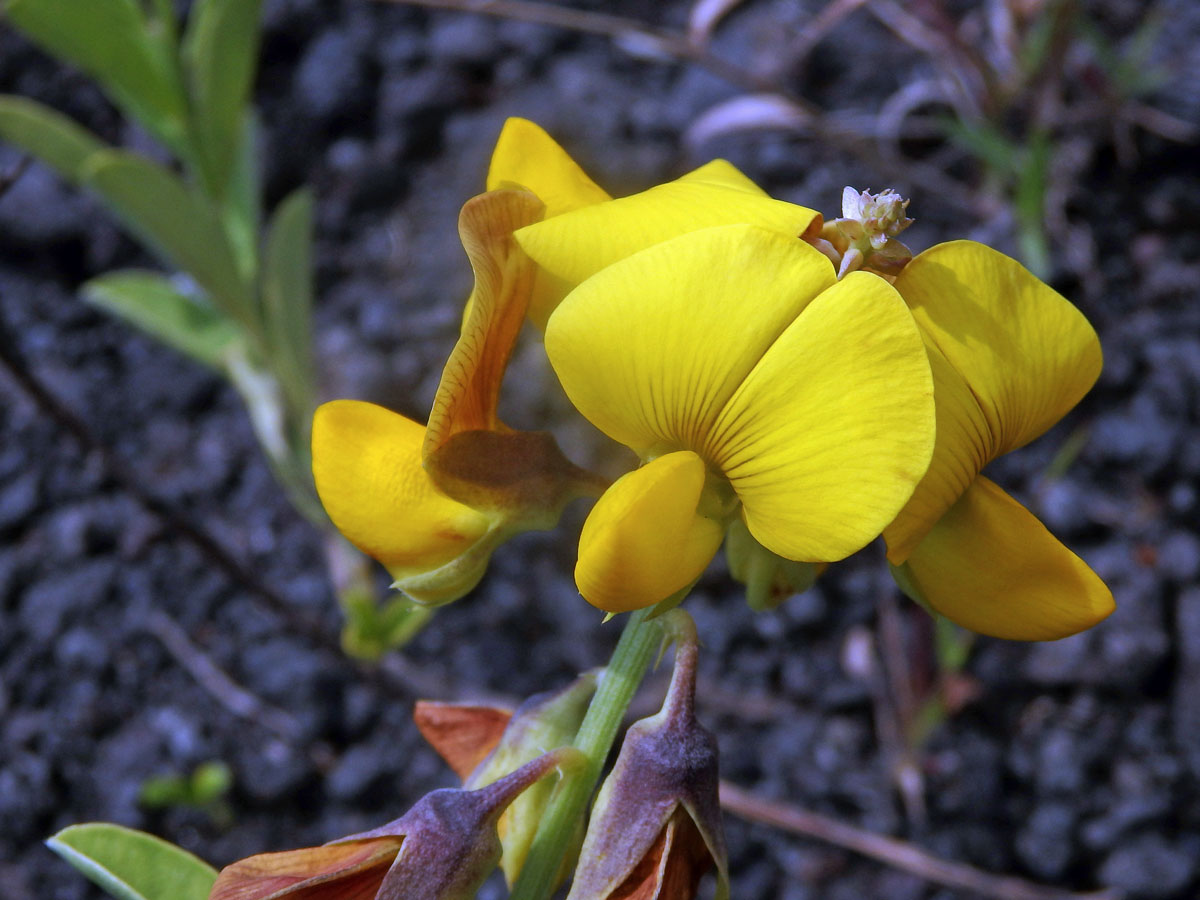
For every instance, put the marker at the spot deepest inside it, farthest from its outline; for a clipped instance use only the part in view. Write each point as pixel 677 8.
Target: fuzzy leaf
pixel 243 201
pixel 169 218
pixel 47 134
pixel 133 865
pixel 287 289
pixel 111 41
pixel 152 303
pixel 220 50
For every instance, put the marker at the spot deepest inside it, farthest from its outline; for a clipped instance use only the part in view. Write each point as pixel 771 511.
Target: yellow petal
pixel 1027 354
pixel 525 155
pixel 959 454
pixel 578 244
pixel 827 437
pixel 468 392
pixel 644 540
pixel 367 467
pixel 723 173
pixel 991 566
pixel 651 348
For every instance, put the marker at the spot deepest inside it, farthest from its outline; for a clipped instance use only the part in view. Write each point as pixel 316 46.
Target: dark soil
pixel 1075 765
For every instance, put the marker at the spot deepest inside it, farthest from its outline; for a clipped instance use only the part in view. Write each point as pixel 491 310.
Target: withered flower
pixel 441 849
pixel 481 743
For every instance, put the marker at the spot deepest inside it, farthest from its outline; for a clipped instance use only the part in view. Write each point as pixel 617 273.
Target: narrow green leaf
pixel 162 17
pixel 111 41
pixel 243 203
pixel 152 303
pixel 986 142
pixel 220 52
pixel 172 220
pixel 1067 453
pixel 263 396
pixel 287 292
pixel 48 135
pixel 952 644
pixel 1030 203
pixel 133 865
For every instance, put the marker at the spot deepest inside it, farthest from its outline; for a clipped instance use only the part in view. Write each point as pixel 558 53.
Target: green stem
pixel 625 671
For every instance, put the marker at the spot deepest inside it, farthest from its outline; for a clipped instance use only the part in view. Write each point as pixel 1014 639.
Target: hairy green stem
pixel 625 671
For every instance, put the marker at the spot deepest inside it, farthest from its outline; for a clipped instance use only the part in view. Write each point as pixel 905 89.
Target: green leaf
pixel 287 293
pixel 1030 203
pixel 163 791
pixel 133 865
pixel 151 302
pixel 953 645
pixel 112 41
pixel 220 52
pixel 164 21
pixel 210 782
pixel 371 630
pixel 243 203
pixel 986 142
pixel 173 221
pixel 48 135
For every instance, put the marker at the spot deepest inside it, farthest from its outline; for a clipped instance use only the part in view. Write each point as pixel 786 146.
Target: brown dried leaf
pixel 463 735
pixel 352 871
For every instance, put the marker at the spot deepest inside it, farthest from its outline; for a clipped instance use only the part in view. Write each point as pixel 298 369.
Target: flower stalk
pixel 620 681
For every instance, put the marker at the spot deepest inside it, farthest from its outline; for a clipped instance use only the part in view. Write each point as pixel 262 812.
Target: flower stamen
pixel 865 235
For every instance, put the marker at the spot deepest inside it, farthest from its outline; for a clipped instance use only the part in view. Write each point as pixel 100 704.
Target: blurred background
pixel 169 650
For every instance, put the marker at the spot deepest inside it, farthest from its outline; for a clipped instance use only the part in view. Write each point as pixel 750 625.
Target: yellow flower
pixel 749 380
pixel 432 502
pixel 1010 357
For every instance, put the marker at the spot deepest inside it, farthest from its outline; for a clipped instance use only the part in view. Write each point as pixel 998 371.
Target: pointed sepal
pixel 441 849
pixel 483 743
pixel 769 578
pixel 544 721
pixel 656 825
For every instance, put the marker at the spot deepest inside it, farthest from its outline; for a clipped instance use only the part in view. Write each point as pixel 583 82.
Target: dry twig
pixel 629 34
pixel 407 681
pixel 209 676
pixel 893 852
pixel 843 132
pixel 8 179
